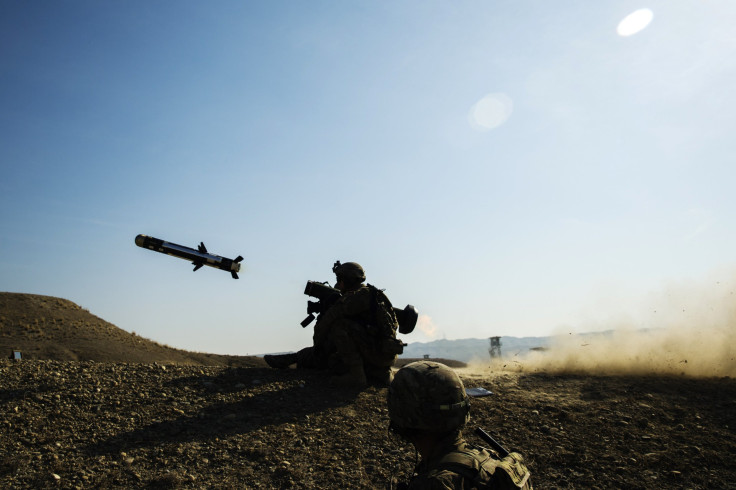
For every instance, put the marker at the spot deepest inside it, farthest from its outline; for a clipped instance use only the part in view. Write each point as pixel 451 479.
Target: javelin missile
pixel 198 257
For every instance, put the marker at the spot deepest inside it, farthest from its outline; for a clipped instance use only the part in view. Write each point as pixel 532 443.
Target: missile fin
pixel 235 276
pixel 197 265
pixel 238 259
pixel 202 248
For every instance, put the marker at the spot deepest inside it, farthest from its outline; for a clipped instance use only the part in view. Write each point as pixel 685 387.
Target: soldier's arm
pixel 352 303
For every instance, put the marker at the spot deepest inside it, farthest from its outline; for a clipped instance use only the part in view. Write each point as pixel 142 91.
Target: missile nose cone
pixel 140 239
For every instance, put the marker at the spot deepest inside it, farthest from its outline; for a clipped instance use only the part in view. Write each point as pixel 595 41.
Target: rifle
pixel 492 442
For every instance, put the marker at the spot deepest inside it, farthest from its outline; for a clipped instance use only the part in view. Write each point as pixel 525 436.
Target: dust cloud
pixel 693 352
pixel 687 329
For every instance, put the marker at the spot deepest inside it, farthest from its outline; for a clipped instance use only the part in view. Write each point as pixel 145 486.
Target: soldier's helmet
pixel 349 270
pixel 427 396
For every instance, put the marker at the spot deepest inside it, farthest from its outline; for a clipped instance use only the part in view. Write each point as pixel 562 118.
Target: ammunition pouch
pixel 383 352
pixel 392 347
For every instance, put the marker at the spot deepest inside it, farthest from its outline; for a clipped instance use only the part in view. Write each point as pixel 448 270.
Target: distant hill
pixel 469 350
pixel 45 327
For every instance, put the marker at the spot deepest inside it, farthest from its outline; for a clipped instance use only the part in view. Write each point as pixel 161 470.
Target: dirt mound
pixel 102 425
pixel 45 327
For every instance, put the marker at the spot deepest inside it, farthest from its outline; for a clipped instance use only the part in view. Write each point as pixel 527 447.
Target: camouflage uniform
pixel 361 328
pixel 427 402
pixel 459 465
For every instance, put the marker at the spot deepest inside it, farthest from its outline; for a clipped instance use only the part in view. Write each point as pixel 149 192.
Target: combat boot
pixel 280 361
pixel 354 378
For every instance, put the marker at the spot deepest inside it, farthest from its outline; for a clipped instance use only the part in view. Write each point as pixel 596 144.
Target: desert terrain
pixel 76 416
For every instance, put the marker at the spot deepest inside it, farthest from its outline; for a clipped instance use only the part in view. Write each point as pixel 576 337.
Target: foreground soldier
pixel 428 407
pixel 354 338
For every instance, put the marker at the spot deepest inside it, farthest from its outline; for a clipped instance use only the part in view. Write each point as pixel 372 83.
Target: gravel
pixel 115 425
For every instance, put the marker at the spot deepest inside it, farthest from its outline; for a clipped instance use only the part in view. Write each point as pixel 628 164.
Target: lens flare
pixel 635 22
pixel 490 112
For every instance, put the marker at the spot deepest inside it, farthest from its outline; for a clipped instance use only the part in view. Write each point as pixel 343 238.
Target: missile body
pixel 199 257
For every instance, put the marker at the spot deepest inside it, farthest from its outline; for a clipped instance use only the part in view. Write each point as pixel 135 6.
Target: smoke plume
pixel 426 327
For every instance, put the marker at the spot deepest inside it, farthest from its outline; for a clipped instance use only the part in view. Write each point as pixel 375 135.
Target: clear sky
pixel 510 168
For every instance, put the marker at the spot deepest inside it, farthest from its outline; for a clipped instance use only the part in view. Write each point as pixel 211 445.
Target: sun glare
pixel 635 22
pixel 490 112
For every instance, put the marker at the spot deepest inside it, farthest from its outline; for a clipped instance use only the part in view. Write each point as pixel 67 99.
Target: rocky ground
pixel 114 425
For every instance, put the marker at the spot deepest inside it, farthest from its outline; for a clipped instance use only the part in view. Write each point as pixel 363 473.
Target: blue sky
pixel 510 168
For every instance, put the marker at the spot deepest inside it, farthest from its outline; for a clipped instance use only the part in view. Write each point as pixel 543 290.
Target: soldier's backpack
pixel 382 327
pixel 382 317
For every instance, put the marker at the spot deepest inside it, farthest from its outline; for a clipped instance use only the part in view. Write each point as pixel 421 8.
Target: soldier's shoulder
pixel 379 293
pixel 476 465
pixel 363 290
pixel 359 296
pixel 514 471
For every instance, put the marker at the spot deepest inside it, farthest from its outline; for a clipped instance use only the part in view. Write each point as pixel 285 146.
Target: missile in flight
pixel 199 257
